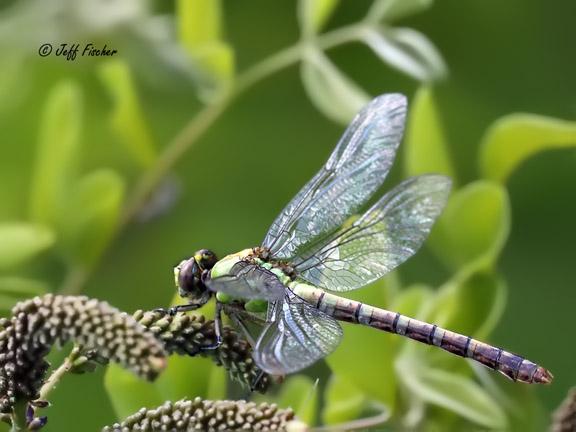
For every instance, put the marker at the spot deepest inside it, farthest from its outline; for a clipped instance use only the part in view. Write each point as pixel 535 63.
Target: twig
pixel 356 425
pixel 58 373
pixel 18 417
pixel 75 279
pixel 202 121
pixel 196 127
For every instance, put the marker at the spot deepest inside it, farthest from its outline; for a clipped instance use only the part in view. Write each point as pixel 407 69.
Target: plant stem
pixel 193 130
pixel 18 417
pixel 203 120
pixel 196 127
pixel 358 425
pixel 57 375
pixel 74 281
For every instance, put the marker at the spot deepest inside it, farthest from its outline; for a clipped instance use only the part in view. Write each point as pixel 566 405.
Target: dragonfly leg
pixel 217 329
pixel 254 384
pixel 240 317
pixel 176 309
pixel 240 324
pixel 240 312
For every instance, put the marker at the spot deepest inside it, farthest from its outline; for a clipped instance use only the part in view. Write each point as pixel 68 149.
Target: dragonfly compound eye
pixel 187 275
pixel 205 259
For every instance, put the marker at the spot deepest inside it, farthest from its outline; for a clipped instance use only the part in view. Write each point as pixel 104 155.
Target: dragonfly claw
pixel 254 384
pixel 175 309
pixel 213 346
pixel 167 311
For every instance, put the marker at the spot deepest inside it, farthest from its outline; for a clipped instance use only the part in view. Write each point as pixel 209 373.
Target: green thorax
pixel 224 266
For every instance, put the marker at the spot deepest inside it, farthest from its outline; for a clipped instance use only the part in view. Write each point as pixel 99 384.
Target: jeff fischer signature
pixel 71 51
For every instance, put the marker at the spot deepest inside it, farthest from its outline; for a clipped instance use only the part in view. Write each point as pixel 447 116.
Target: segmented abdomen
pixel 511 365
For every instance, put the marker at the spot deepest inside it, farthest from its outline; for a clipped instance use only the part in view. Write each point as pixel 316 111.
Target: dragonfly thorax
pixel 262 255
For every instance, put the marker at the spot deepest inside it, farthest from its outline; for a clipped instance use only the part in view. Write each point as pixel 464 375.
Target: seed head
pixel 39 323
pixel 208 416
pixel 188 335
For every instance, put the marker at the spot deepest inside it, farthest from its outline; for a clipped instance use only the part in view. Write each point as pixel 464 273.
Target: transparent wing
pixel 248 281
pixel 298 336
pixel 385 236
pixel 355 169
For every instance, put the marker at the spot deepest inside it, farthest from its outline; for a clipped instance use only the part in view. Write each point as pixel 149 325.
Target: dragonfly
pixel 316 249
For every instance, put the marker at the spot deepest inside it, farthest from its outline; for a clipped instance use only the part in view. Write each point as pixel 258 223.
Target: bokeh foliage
pixel 85 142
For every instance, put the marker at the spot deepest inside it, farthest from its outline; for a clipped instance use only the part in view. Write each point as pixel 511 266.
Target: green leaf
pixel 300 393
pixel 514 138
pixel 373 350
pixel 128 393
pixel 331 92
pixel 127 119
pixel 412 301
pixel 13 74
pixel 313 14
pixel 216 59
pixel 343 401
pixel 407 50
pixel 425 146
pixel 185 377
pixel 522 405
pixel 199 21
pixel 391 10
pixel 91 215
pixel 452 392
pixel 200 30
pixel 217 383
pixel 471 303
pixel 14 289
pixel 473 227
pixel 20 287
pixel 20 241
pixel 58 143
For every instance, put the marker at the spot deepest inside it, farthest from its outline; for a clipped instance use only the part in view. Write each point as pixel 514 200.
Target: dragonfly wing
pixel 355 169
pixel 385 236
pixel 298 336
pixel 248 281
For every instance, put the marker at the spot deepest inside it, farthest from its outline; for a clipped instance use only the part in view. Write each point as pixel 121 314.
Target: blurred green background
pixel 502 57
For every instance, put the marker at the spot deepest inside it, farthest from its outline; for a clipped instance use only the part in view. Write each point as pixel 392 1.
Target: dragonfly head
pixel 189 276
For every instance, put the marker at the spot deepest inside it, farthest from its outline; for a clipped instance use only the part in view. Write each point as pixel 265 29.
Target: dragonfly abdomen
pixel 511 365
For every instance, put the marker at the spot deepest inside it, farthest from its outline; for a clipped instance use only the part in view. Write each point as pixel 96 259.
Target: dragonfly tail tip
pixel 542 376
